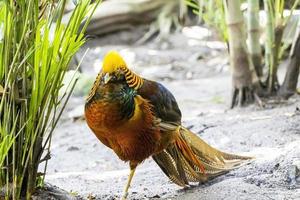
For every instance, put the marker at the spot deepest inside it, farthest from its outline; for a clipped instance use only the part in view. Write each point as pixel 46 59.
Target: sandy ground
pixel 196 71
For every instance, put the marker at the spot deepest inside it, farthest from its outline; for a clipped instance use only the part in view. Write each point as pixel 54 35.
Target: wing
pixel 165 105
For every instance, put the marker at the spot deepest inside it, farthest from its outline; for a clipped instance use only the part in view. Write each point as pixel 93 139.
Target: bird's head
pixel 115 70
pixel 114 67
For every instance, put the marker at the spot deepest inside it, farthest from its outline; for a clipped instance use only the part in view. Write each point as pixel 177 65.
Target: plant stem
pixel 254 35
pixel 239 58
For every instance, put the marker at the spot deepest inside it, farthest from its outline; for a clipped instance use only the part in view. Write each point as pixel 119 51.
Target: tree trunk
pixel 273 79
pixel 254 35
pixel 288 88
pixel 243 90
pixel 274 33
pixel 116 15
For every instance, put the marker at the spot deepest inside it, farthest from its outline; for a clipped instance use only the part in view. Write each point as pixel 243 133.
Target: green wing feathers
pixel 190 159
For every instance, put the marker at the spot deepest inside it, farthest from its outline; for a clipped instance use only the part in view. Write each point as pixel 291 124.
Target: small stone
pixel 165 45
pixel 190 126
pixel 293 174
pixel 73 148
pixel 91 197
pixel 200 57
pixel 189 75
pixel 201 114
pixel 297 165
pixel 156 196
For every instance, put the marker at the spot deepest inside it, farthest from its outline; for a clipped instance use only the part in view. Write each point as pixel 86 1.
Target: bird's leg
pixel 132 170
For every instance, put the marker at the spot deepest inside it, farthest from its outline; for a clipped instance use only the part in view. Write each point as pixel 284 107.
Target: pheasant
pixel 138 118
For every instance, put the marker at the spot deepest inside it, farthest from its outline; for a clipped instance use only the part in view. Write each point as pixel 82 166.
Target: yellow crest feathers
pixel 112 61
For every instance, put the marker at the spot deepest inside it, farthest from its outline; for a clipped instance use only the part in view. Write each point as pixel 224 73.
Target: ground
pixel 196 71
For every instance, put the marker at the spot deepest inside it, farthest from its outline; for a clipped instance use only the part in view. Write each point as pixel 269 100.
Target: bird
pixel 139 118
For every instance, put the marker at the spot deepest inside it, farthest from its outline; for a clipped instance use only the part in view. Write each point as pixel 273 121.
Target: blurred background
pixel 232 65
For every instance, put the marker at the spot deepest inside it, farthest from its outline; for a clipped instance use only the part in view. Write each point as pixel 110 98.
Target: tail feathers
pixel 190 159
pixel 167 160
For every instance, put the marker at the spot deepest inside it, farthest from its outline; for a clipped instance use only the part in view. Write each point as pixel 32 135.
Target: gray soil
pixel 197 73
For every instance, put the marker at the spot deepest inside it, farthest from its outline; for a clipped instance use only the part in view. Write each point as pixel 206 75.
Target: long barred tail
pixel 190 159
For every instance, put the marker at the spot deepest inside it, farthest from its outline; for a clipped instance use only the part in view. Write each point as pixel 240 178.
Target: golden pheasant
pixel 138 118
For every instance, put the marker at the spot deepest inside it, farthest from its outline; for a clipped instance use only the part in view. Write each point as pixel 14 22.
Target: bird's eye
pixel 119 70
pixel 113 77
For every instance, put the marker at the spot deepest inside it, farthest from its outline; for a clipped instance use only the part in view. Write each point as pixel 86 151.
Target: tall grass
pixel 35 50
pixel 276 23
pixel 212 13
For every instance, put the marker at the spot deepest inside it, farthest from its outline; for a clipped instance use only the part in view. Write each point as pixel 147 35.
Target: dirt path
pixel 199 79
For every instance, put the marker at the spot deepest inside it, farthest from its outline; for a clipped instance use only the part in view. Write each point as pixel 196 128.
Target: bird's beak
pixel 107 77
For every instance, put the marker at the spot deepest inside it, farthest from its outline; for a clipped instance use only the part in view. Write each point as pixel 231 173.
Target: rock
pixel 276 166
pixel 156 196
pixel 189 75
pixel 73 148
pixel 293 173
pixel 53 193
pixel 297 164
